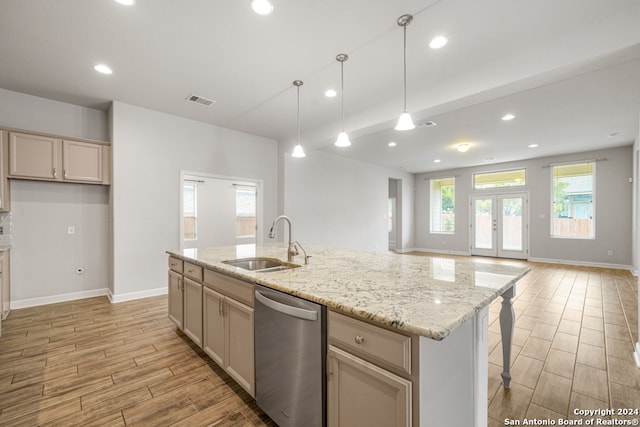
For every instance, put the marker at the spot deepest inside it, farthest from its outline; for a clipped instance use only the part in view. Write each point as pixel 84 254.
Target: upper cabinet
pixel 53 159
pixel 5 199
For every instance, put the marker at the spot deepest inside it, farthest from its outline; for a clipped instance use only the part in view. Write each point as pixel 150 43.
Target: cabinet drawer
pixel 234 288
pixel 175 264
pixel 193 271
pixel 371 341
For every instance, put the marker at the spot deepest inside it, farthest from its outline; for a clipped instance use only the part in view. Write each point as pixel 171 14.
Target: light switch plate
pixel 71 229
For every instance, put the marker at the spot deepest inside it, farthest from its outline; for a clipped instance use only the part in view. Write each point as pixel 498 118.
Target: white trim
pixel 636 355
pixel 582 263
pixel 52 299
pixel 436 251
pixel 136 295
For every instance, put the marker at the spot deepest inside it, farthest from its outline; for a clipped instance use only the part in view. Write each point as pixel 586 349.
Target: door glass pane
pixel 484 223
pixel 512 224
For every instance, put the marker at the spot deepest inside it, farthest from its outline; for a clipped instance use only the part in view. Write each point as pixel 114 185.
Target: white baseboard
pixel 115 298
pixel 32 302
pixel 636 355
pixel 583 263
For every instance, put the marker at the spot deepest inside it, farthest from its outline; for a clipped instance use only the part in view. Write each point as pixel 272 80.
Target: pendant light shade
pixel 405 122
pixel 343 138
pixel 298 151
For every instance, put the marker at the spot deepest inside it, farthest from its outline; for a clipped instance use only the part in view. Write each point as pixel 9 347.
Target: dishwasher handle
pixel 289 310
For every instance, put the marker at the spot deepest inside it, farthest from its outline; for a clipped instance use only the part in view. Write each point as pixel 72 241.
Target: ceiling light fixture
pixel 533 145
pixel 104 69
pixel 330 93
pixel 127 2
pixel 392 144
pixel 437 161
pixel 298 151
pixel 508 117
pixel 343 138
pixel 463 148
pixel 438 42
pixel 405 122
pixel 262 7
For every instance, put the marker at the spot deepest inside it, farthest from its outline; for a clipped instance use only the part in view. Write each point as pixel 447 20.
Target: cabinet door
pixel 5 199
pixel 361 394
pixel 213 337
pixel 175 298
pixel 192 315
pixel 33 156
pixel 82 161
pixel 239 338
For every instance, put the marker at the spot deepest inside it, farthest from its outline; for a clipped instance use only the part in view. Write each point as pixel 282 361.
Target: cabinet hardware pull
pixel 358 339
pixel 54 173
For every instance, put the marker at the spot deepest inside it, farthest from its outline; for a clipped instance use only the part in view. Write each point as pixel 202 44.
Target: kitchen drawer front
pixel 193 271
pixel 175 264
pixel 372 342
pixel 234 288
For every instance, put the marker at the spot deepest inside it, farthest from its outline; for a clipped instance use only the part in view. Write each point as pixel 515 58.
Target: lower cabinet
pixel 369 375
pixel 361 394
pixel 228 336
pixel 176 301
pixel 192 315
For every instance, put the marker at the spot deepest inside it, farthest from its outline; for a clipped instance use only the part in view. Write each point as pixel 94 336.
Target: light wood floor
pixel 89 362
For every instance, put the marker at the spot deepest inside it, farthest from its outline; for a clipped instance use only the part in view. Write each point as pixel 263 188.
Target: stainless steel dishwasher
pixel 290 355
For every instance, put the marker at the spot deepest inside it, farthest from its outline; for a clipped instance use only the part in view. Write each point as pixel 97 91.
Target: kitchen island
pixel 440 304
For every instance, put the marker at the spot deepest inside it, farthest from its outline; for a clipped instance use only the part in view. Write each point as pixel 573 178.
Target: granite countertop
pixel 423 295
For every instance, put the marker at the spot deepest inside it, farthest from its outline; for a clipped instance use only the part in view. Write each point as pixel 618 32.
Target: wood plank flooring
pixel 93 363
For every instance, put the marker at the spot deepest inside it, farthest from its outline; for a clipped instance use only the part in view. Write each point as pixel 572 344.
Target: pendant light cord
pixel 405 67
pixel 298 87
pixel 342 92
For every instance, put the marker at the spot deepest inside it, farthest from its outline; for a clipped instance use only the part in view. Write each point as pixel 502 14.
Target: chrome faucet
pixel 292 249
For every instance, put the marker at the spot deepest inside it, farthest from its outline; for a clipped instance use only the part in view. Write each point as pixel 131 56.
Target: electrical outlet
pixel 71 229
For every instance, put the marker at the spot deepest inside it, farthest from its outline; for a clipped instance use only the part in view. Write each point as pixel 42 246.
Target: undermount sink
pixel 260 264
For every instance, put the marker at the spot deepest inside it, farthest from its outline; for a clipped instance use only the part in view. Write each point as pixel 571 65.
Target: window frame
pixel 240 188
pixel 195 211
pixel 431 206
pixel 593 199
pixel 473 179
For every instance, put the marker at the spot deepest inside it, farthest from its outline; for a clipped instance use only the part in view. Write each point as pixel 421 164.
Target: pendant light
pixel 343 138
pixel 298 151
pixel 405 122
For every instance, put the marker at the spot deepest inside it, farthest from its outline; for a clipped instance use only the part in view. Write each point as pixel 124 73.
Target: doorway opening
pixel 394 214
pixel 499 224
pixel 219 211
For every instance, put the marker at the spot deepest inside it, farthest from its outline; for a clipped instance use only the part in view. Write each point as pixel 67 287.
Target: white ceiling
pixel 569 70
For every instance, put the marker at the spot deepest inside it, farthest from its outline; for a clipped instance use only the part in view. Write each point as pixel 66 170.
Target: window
pixel 189 197
pixel 443 196
pixel 572 202
pixel 508 178
pixel 246 211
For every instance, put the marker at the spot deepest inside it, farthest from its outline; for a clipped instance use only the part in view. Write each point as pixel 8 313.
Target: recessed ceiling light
pixel 262 7
pixel 463 148
pixel 104 69
pixel 392 144
pixel 330 93
pixel 437 161
pixel 532 145
pixel 508 117
pixel 127 2
pixel 438 42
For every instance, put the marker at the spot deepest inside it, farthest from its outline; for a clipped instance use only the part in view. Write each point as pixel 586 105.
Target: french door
pixel 499 224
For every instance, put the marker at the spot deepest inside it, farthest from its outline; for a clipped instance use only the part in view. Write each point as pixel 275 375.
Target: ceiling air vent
pixel 428 124
pixel 200 100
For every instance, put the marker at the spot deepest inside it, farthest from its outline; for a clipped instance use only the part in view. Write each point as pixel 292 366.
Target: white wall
pixel 613 210
pixel 149 150
pixel 21 111
pixel 339 202
pixel 43 257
